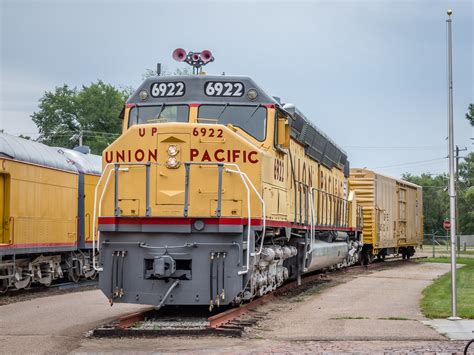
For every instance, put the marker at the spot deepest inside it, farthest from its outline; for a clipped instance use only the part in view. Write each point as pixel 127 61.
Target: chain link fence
pixel 435 245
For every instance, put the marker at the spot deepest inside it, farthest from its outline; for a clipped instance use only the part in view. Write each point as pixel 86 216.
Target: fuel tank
pixel 326 254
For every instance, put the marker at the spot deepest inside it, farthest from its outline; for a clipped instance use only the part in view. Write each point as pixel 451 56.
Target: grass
pixel 436 298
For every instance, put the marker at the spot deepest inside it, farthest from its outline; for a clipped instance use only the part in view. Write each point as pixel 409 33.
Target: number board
pixel 224 88
pixel 168 89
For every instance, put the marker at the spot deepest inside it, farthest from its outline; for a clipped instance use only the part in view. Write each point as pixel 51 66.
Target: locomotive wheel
pixel 74 274
pixel 371 258
pixel 3 286
pixel 25 283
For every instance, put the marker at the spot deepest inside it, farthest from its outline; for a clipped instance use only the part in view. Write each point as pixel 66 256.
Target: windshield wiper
pixel 220 114
pixel 157 117
pixel 253 113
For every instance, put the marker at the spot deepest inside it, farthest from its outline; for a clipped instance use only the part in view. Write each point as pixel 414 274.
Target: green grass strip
pixel 436 298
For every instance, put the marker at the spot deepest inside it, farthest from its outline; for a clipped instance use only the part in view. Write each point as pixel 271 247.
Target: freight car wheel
pixel 404 253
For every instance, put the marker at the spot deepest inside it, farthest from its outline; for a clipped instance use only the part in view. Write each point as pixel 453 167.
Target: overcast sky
pixel 371 74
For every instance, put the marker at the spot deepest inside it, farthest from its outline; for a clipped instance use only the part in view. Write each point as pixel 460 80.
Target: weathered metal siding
pixel 409 226
pixel 42 206
pixel 393 209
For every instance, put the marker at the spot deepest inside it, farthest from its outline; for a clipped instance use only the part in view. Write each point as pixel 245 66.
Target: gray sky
pixel 371 74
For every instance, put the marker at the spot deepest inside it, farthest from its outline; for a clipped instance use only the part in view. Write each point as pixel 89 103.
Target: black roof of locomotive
pixel 194 92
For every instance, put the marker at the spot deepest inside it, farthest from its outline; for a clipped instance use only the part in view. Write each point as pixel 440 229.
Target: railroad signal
pixel 447 225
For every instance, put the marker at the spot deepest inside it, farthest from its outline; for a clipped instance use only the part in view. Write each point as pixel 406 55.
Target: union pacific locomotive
pixel 216 193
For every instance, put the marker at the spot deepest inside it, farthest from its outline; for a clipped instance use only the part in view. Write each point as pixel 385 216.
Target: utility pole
pixel 80 138
pixel 458 238
pixel 452 190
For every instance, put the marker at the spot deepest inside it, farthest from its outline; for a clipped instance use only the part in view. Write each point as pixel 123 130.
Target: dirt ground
pixel 369 311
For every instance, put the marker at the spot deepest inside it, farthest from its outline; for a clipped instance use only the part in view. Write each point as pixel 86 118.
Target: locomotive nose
pixel 173 150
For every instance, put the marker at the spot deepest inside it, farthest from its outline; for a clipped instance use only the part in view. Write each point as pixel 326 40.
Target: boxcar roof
pixel 85 163
pixel 365 171
pixel 59 158
pixel 33 152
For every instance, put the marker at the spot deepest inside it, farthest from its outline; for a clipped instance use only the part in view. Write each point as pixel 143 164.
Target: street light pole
pixel 452 189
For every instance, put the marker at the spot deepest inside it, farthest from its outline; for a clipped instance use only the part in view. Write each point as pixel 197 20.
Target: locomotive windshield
pixel 158 114
pixel 252 119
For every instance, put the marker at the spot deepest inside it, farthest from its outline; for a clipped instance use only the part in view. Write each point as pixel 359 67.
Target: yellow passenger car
pixel 43 194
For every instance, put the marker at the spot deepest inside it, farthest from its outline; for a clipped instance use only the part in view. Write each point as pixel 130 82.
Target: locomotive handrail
pixel 94 265
pixel 244 177
pixel 116 209
pixel 331 210
pixel 311 234
pixel 246 181
pixel 12 233
pixel 264 217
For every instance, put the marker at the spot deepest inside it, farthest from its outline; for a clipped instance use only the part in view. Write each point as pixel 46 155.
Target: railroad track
pixel 12 296
pixel 186 321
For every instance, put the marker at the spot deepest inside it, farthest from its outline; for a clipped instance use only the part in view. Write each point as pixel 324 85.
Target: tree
pixel 466 195
pixel 470 114
pixel 92 112
pixel 436 199
pixel 178 71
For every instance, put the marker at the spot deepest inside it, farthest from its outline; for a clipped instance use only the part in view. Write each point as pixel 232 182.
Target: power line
pixel 395 147
pixel 410 163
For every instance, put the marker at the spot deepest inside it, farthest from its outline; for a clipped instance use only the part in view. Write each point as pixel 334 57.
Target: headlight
pixel 252 94
pixel 143 95
pixel 172 163
pixel 173 150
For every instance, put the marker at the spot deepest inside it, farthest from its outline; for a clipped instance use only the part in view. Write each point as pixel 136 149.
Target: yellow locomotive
pixel 46 208
pixel 216 193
